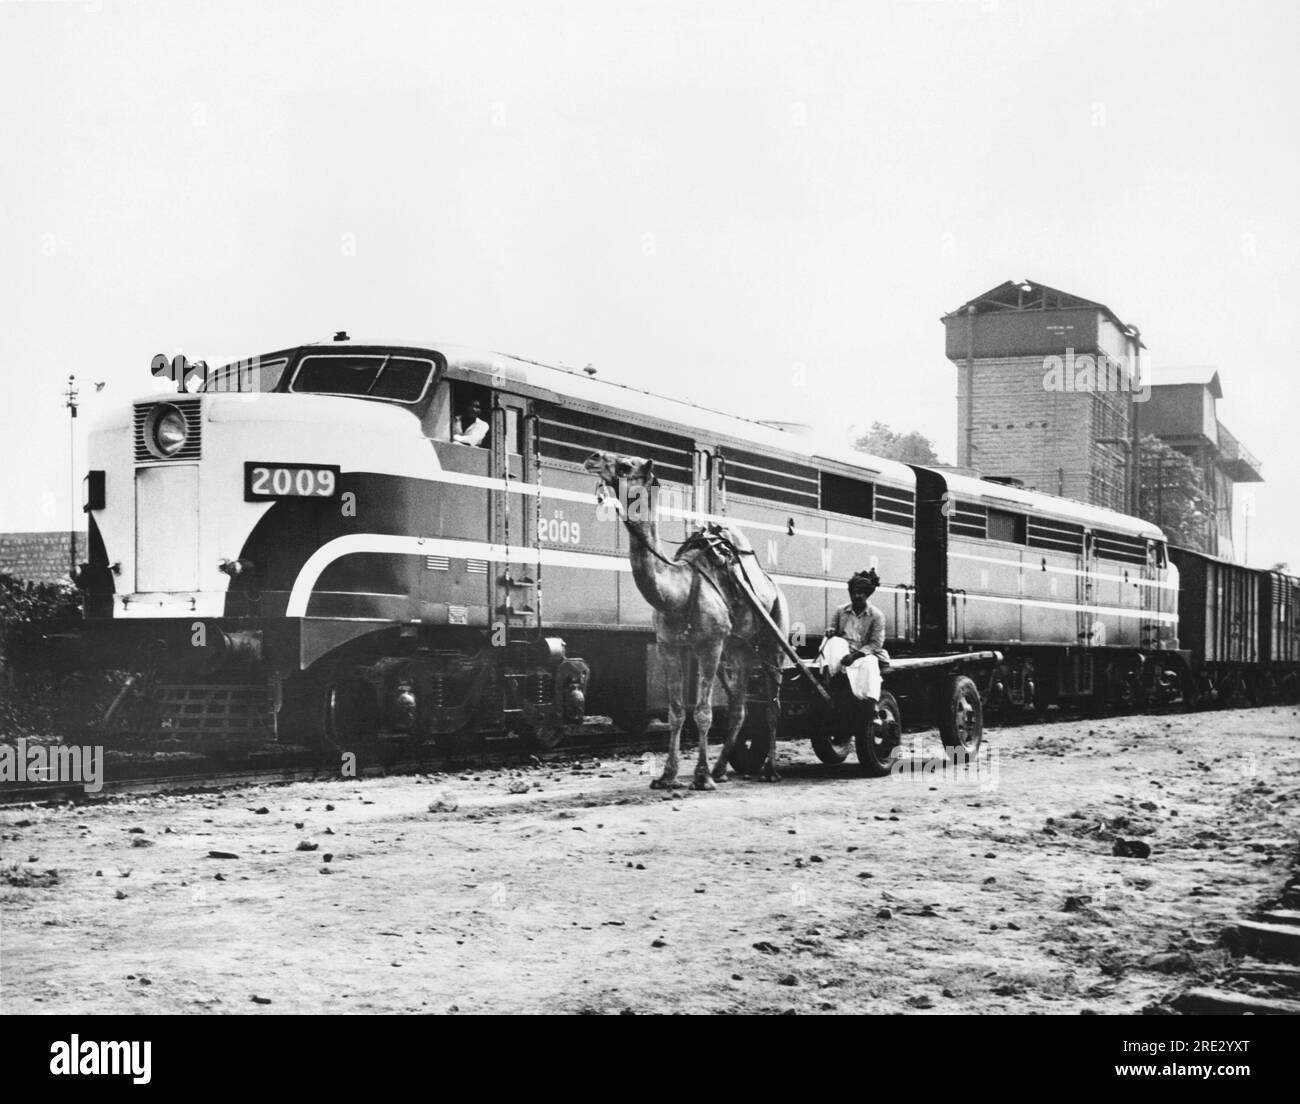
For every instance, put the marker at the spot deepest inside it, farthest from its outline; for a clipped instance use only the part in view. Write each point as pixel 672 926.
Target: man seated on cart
pixel 855 639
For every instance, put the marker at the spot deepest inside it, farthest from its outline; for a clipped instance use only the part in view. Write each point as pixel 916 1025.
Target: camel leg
pixel 771 694
pixel 734 673
pixel 672 660
pixel 707 659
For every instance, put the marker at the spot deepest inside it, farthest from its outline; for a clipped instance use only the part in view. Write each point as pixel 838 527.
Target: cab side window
pixel 460 414
pixel 465 414
pixel 471 416
pixel 437 419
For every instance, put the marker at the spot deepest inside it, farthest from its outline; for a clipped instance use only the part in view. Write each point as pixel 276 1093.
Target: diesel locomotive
pixel 299 550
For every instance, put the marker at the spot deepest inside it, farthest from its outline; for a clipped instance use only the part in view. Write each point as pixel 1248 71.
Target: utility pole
pixel 970 388
pixel 71 395
pixel 1247 508
pixel 1160 487
pixel 1135 448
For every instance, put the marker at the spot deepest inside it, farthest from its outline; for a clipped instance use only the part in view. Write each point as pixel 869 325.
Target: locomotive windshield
pixel 395 378
pixel 246 376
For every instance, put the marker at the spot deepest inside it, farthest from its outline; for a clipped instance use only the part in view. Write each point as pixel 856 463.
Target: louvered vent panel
pixel 192 409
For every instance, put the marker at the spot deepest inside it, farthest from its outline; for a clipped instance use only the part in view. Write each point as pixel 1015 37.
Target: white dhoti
pixel 864 674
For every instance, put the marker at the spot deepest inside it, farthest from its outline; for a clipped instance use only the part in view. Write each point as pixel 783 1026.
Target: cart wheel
pixel 832 741
pixel 751 743
pixel 961 722
pixel 877 739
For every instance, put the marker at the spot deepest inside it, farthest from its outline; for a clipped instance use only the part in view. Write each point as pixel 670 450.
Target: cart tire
pixel 961 721
pixel 832 744
pixel 751 744
pixel 877 739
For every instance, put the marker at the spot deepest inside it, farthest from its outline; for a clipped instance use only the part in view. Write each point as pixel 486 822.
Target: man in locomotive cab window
pixel 470 427
pixel 855 639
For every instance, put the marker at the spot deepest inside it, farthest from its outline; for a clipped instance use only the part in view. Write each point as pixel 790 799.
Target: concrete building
pixel 1182 412
pixel 1044 391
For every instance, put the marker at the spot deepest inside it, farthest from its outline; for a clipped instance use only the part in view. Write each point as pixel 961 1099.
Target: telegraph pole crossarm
pixel 71 395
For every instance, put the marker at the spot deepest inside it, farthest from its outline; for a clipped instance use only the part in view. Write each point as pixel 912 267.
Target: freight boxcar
pixel 1281 637
pixel 1224 624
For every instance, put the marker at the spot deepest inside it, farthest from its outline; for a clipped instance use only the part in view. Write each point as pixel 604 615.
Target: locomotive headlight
pixel 166 430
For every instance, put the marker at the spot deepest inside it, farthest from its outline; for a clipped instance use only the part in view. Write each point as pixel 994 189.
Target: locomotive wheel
pixel 1289 687
pixel 351 714
pixel 961 722
pixel 1267 690
pixel 632 721
pixel 617 685
pixel 541 737
pixel 876 739
pixel 625 702
pixel 1230 690
pixel 1172 686
pixel 462 739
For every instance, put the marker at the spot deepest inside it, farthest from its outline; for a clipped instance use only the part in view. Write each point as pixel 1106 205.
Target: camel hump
pixel 715 532
pixel 720 544
pixel 734 537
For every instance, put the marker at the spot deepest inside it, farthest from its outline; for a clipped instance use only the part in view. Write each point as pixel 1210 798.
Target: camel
pixel 697 611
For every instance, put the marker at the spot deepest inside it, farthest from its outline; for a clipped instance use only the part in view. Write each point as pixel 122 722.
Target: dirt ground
pixel 585 891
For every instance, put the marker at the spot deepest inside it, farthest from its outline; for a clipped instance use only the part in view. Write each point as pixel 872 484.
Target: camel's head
pixel 611 469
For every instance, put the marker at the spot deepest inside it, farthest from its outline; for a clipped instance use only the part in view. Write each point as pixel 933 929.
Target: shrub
pixel 39 624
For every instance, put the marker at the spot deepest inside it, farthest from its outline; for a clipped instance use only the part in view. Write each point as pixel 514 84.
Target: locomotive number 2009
pixel 559 531
pixel 270 481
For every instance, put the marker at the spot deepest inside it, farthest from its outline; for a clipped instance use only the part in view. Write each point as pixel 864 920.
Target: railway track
pixel 133 777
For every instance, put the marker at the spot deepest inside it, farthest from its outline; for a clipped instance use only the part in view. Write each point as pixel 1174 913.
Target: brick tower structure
pixel 1046 382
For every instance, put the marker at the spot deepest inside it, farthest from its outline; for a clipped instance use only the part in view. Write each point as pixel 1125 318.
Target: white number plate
pixel 270 481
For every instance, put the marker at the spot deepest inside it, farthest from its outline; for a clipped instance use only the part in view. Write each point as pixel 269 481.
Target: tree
pixel 908 448
pixel 1172 494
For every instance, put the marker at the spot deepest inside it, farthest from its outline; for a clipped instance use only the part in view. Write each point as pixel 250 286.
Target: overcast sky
pixel 695 198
